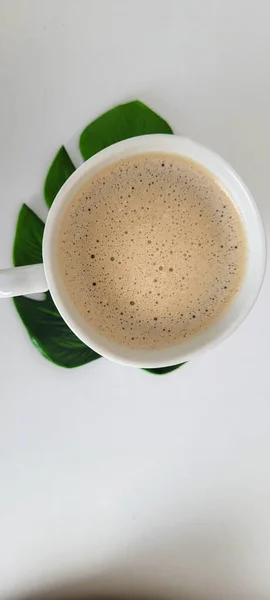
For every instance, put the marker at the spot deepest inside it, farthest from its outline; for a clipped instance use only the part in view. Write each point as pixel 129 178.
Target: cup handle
pixel 20 281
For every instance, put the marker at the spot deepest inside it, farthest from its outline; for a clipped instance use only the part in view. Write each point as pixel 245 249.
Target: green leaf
pixel 45 326
pixel 119 123
pixel 164 370
pixel 60 170
pixel 50 334
pixel 27 248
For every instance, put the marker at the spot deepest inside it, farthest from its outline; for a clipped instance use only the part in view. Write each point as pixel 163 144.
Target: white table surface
pixel 109 474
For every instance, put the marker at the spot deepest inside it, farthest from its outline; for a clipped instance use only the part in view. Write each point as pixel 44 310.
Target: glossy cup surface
pixel 242 302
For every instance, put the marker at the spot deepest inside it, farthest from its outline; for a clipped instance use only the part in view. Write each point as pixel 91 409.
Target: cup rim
pixel 138 145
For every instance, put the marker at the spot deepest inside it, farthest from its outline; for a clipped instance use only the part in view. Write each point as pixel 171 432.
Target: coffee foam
pixel 152 250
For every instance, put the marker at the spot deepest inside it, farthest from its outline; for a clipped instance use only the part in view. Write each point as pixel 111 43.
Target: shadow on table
pixel 64 594
pixel 113 585
pixel 208 560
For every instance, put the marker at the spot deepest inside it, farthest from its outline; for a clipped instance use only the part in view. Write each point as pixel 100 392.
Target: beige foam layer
pixel 152 250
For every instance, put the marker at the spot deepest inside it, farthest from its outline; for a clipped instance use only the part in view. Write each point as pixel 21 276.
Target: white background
pixel 109 474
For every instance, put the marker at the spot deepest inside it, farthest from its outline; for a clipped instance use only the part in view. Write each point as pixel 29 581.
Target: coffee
pixel 151 250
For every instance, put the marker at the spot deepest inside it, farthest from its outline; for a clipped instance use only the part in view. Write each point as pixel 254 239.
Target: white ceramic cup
pixel 39 278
